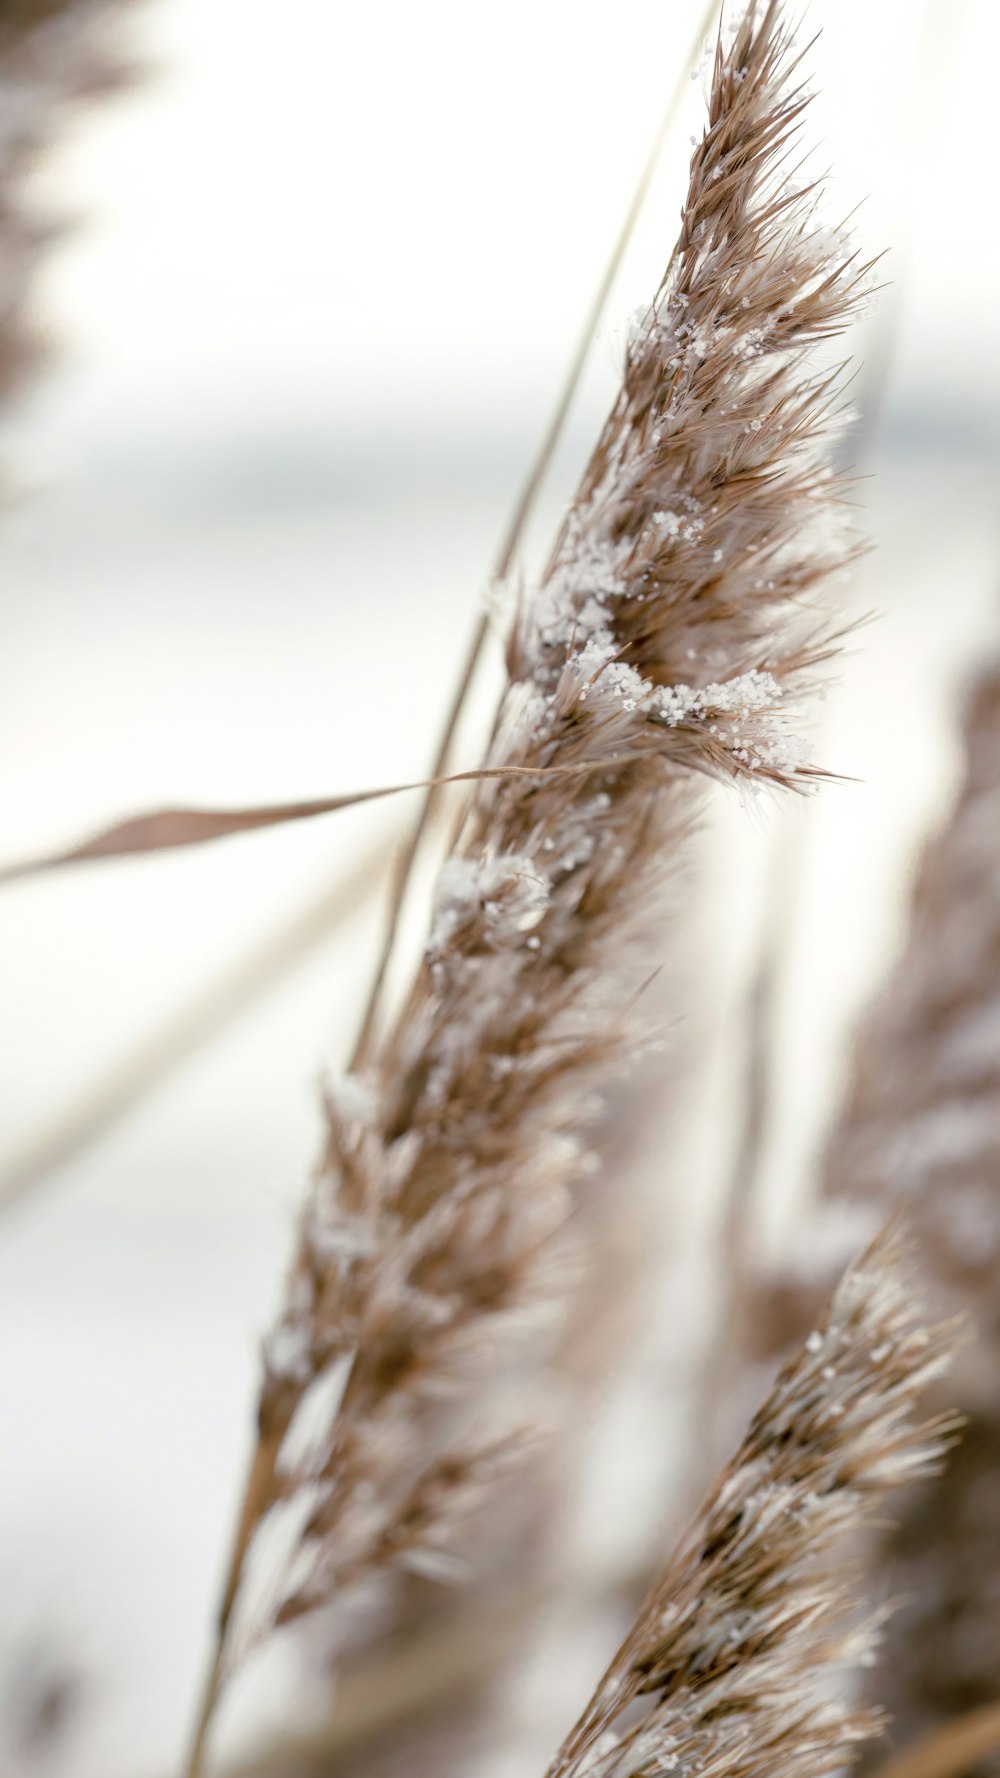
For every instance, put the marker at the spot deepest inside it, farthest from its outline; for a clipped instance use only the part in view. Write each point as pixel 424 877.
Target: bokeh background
pixel 326 272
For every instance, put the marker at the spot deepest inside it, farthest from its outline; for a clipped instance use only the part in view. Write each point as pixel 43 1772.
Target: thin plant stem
pixel 131 1078
pixel 261 1472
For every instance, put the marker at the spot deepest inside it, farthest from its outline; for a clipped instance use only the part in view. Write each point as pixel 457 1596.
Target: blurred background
pixel 325 273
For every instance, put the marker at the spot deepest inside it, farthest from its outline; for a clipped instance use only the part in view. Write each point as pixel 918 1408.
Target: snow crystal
pixel 622 681
pixel 750 344
pixel 747 693
pixel 522 720
pixel 508 892
pixel 574 604
pixel 352 1099
pixel 288 1352
pixel 685 525
pixel 343 1239
pixel 777 750
pixel 637 326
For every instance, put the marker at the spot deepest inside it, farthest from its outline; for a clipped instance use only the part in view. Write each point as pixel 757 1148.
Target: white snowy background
pixel 329 268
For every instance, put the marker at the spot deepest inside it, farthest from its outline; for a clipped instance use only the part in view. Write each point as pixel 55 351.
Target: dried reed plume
pixel 737 1662
pixel 920 1126
pixel 660 648
pixel 919 1133
pixel 921 1130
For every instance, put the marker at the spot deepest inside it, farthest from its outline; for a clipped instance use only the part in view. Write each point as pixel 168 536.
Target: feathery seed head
pixel 920 1132
pixel 664 645
pixel 733 1664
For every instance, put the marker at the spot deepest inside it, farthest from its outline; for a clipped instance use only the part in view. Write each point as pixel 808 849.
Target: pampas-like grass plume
pixel 663 646
pixel 735 1667
pixel 920 1133
pixel 920 1129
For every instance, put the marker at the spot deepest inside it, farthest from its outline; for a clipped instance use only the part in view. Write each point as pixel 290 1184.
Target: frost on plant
pixel 733 1665
pixel 667 643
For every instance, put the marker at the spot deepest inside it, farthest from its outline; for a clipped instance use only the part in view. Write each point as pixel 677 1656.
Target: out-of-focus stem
pixel 152 1059
pixel 949 1752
